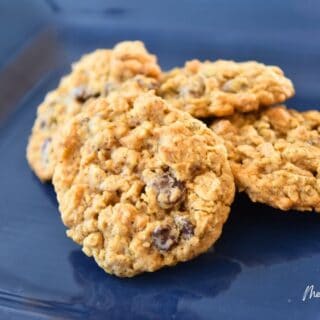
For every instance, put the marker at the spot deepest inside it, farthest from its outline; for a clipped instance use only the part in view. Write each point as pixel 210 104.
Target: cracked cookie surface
pixel 275 156
pixel 141 185
pixel 128 68
pixel 223 87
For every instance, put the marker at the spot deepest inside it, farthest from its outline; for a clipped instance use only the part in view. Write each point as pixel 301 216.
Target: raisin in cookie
pixel 220 88
pixel 275 156
pixel 96 74
pixel 141 185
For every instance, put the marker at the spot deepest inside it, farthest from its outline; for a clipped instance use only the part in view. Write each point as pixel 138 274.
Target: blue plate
pixel 265 259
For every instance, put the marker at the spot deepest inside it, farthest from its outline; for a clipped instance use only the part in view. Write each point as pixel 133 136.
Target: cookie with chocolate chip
pixel 141 185
pixel 128 68
pixel 275 156
pixel 223 87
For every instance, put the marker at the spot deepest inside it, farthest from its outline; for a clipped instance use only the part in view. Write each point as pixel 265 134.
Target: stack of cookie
pixel 141 183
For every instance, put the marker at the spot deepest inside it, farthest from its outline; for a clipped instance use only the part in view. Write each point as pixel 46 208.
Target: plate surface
pixel 264 260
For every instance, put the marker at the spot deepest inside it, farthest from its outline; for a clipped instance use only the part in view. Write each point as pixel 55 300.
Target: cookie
pixel 222 87
pixel 95 74
pixel 141 185
pixel 275 156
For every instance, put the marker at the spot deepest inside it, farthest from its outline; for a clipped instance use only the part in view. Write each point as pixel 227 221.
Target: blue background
pixel 265 258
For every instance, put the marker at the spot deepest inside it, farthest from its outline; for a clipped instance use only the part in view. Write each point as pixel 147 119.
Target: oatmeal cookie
pixel 141 185
pixel 275 156
pixel 222 87
pixel 95 74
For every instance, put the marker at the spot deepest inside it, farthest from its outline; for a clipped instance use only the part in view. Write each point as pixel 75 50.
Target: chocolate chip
pixel 186 228
pixel 170 191
pixel 163 238
pixel 195 169
pixel 82 95
pixel 43 124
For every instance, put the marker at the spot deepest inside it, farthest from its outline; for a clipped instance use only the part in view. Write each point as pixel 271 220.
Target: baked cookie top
pixel 275 156
pixel 95 74
pixel 223 87
pixel 141 185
